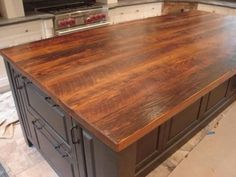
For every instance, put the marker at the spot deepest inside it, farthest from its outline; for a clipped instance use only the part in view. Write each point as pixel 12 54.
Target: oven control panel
pixel 81 18
pixel 95 18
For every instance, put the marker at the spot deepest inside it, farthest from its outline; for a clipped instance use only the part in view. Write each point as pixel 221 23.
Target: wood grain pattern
pixel 123 81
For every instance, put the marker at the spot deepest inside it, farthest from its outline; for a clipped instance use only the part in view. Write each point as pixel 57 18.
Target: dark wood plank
pixel 123 81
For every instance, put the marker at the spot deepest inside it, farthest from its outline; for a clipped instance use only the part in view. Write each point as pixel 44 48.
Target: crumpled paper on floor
pixel 8 116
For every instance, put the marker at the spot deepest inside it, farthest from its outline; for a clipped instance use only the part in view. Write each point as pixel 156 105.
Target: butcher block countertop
pixel 122 81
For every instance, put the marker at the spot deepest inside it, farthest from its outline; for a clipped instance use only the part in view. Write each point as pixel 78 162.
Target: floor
pixel 215 155
pixel 210 153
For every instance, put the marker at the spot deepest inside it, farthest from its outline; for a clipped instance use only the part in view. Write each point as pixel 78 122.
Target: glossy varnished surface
pixel 122 81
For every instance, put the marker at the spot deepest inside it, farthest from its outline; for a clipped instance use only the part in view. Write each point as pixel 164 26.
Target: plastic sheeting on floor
pixel 8 115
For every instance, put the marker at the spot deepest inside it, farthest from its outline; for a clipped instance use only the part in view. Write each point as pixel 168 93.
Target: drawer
pixel 22 28
pixel 53 149
pixel 217 9
pixel 136 12
pixel 207 8
pixel 152 10
pixel 43 106
pixel 221 10
pixel 124 14
pixel 12 35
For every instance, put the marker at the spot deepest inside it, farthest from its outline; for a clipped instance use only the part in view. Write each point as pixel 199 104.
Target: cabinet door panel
pixel 214 99
pixel 232 86
pixel 147 145
pixel 54 151
pixel 17 89
pixel 217 95
pixel 183 121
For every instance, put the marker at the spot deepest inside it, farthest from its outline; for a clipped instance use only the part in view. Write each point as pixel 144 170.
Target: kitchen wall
pixel 11 8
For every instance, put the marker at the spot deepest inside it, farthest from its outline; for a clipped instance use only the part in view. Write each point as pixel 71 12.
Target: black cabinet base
pixel 74 152
pixel 184 139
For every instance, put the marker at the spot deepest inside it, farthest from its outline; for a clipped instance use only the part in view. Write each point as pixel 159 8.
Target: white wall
pixel 12 8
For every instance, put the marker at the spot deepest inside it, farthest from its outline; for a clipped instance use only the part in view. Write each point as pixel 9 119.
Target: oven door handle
pixel 67 31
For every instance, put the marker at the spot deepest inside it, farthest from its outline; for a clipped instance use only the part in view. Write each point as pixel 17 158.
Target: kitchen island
pixel 118 100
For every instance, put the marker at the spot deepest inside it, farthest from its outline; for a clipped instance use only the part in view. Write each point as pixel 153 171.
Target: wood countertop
pixel 122 81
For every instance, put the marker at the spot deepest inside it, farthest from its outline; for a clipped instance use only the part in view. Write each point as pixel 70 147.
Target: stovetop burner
pixel 68 8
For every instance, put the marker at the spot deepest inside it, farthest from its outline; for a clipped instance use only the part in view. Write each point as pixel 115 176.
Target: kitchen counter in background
pixel 122 3
pixel 20 30
pixel 27 18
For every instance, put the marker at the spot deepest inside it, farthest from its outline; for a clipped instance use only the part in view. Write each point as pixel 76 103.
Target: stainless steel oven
pixel 80 20
pixel 71 15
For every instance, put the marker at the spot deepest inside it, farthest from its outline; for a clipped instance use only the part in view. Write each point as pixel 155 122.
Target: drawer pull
pixel 74 140
pixel 57 147
pixel 49 101
pixel 37 124
pixel 19 87
pixel 26 80
pixel 63 155
pixel 56 108
pixel 23 77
